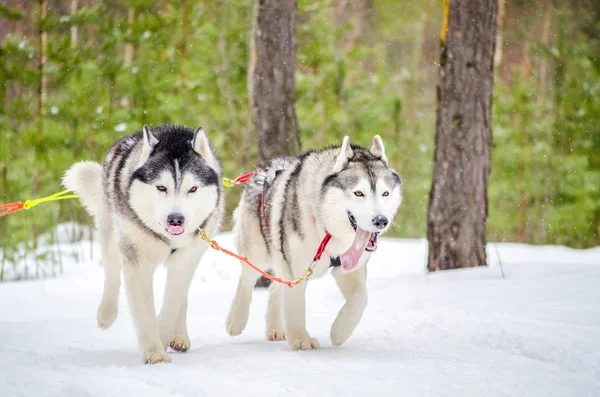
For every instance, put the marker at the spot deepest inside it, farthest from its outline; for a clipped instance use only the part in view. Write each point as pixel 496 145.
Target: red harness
pixel 322 247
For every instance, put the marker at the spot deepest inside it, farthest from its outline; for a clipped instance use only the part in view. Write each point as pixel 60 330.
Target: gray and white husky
pixel 157 188
pixel 286 210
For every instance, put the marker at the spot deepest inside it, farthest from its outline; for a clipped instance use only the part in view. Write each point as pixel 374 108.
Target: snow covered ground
pixel 458 333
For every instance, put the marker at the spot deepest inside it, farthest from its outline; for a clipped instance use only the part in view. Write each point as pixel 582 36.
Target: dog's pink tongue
pixel 350 258
pixel 175 229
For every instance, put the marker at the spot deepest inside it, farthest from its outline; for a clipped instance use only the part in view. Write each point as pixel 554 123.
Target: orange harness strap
pixel 290 283
pixel 10 208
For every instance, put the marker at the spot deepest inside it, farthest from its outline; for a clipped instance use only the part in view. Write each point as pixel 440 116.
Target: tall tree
pixel 274 87
pixel 458 200
pixel 74 28
pixel 42 91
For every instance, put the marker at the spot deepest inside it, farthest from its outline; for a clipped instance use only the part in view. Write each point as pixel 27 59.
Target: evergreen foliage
pixel 360 71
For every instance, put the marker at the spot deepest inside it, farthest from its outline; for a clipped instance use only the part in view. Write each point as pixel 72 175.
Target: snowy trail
pixel 460 333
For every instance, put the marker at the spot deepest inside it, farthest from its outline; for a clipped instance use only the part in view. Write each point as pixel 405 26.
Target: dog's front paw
pixel 303 342
pixel 347 320
pixel 180 344
pixel 339 335
pixel 275 334
pixel 155 357
pixel 107 314
pixel 236 323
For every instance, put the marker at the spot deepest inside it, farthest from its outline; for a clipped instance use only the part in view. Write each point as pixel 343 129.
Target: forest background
pixel 75 75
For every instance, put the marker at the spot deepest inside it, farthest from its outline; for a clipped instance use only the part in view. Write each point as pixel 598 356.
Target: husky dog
pixel 284 213
pixel 157 188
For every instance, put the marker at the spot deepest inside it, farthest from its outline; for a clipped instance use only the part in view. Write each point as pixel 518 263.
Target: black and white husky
pixel 157 188
pixel 286 210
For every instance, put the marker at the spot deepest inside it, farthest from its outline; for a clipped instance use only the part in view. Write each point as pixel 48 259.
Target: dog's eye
pixel 358 193
pixel 161 188
pixel 385 194
pixel 193 189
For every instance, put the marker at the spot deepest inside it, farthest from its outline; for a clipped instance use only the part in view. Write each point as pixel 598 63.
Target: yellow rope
pixel 65 196
pixel 55 197
pixel 228 182
pixel 240 179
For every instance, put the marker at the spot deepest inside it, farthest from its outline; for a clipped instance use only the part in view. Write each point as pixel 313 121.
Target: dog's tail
pixel 85 179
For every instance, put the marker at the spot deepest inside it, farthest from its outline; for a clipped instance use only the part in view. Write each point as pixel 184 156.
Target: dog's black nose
pixel 175 219
pixel 380 221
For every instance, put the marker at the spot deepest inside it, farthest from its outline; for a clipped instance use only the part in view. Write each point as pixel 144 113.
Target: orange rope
pixel 11 207
pixel 290 283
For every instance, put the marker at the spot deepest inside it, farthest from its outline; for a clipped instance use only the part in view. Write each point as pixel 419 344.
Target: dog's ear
pixel 202 147
pixel 345 154
pixel 377 149
pixel 148 143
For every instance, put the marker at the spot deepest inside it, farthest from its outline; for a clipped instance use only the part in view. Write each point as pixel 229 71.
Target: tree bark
pixel 41 100
pixel 458 201
pixel 499 33
pixel 274 87
pixel 250 123
pixel 4 220
pixel 74 28
pixel 128 57
pixel 541 99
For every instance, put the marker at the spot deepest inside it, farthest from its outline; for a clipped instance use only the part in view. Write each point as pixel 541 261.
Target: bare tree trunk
pixel 43 40
pixel 521 178
pixel 74 30
pixel 4 195
pixel 42 89
pixel 274 87
pixel 4 220
pixel 182 45
pixel 542 90
pixel 111 97
pixel 247 132
pixel 185 22
pixel 128 57
pixel 458 202
pixel 498 53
